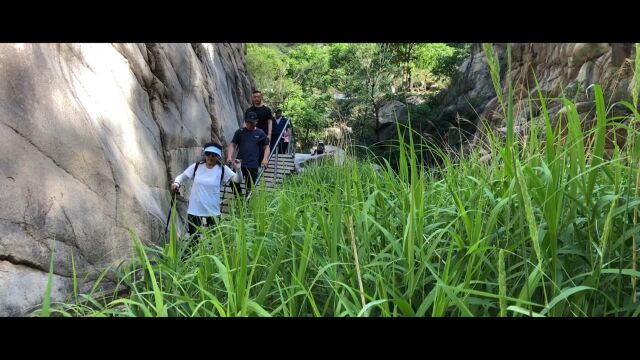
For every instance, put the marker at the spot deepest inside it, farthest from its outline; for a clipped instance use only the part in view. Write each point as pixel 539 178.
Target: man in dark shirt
pixel 252 143
pixel 278 127
pixel 265 118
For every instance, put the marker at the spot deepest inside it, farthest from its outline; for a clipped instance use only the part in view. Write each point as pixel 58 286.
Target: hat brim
pixel 214 150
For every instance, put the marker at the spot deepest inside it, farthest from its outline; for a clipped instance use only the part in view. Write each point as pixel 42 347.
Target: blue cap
pixel 214 150
pixel 251 117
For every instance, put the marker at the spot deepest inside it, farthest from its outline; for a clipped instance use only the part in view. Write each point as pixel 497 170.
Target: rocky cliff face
pixel 560 68
pixel 92 135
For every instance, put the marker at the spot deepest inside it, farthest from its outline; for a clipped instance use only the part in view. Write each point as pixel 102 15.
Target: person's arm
pixel 182 177
pixel 269 124
pixel 231 149
pixel 237 176
pixel 265 157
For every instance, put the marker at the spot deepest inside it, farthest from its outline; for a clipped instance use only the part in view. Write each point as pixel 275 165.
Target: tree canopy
pixel 319 85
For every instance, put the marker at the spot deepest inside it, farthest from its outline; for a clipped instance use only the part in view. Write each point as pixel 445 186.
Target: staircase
pixel 280 166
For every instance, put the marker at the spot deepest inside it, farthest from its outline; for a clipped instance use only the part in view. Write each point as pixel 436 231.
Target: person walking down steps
pixel 209 177
pixel 263 112
pixel 279 128
pixel 252 144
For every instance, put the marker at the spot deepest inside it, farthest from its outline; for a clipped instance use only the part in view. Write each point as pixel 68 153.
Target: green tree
pixel 441 60
pixel 296 81
pixel 269 70
pixel 404 56
pixel 318 84
pixel 366 77
pixel 308 66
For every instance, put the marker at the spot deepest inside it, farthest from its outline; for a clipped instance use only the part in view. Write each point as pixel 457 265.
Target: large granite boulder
pixel 560 69
pixel 92 135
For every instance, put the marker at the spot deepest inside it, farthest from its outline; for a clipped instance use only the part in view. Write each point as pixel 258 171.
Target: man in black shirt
pixel 265 118
pixel 252 143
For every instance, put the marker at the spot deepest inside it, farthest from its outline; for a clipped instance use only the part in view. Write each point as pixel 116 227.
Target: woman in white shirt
pixel 209 176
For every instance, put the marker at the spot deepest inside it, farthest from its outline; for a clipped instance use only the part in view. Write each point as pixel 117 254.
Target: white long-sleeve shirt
pixel 205 191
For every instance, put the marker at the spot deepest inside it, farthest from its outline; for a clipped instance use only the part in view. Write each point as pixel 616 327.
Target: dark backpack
pixel 202 162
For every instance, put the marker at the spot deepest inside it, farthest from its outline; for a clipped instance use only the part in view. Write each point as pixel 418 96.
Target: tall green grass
pixel 547 228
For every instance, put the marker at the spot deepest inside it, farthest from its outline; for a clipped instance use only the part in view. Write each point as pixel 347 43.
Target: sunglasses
pixel 207 153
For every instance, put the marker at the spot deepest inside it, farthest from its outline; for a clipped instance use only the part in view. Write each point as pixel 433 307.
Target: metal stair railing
pixel 291 149
pixel 275 148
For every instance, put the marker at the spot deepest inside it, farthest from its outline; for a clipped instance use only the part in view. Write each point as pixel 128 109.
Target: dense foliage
pixel 320 85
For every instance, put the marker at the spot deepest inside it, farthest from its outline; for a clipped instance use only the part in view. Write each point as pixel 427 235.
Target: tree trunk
pixel 306 136
pixel 406 58
pixel 375 110
pixel 364 122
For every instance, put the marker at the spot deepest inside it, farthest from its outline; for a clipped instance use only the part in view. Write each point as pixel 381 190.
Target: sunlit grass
pixel 547 228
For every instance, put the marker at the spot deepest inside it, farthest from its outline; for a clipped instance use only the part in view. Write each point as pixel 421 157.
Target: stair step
pixel 280 173
pixel 265 177
pixel 280 169
pixel 265 180
pixel 272 174
pixel 230 194
pixel 280 165
pixel 269 181
pixel 227 197
pixel 281 159
pixel 287 168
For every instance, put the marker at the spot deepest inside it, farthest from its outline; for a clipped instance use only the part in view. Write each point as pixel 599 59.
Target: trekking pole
pixel 173 201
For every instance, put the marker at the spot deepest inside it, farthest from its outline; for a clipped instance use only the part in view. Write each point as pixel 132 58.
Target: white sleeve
pixel 228 174
pixel 187 174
